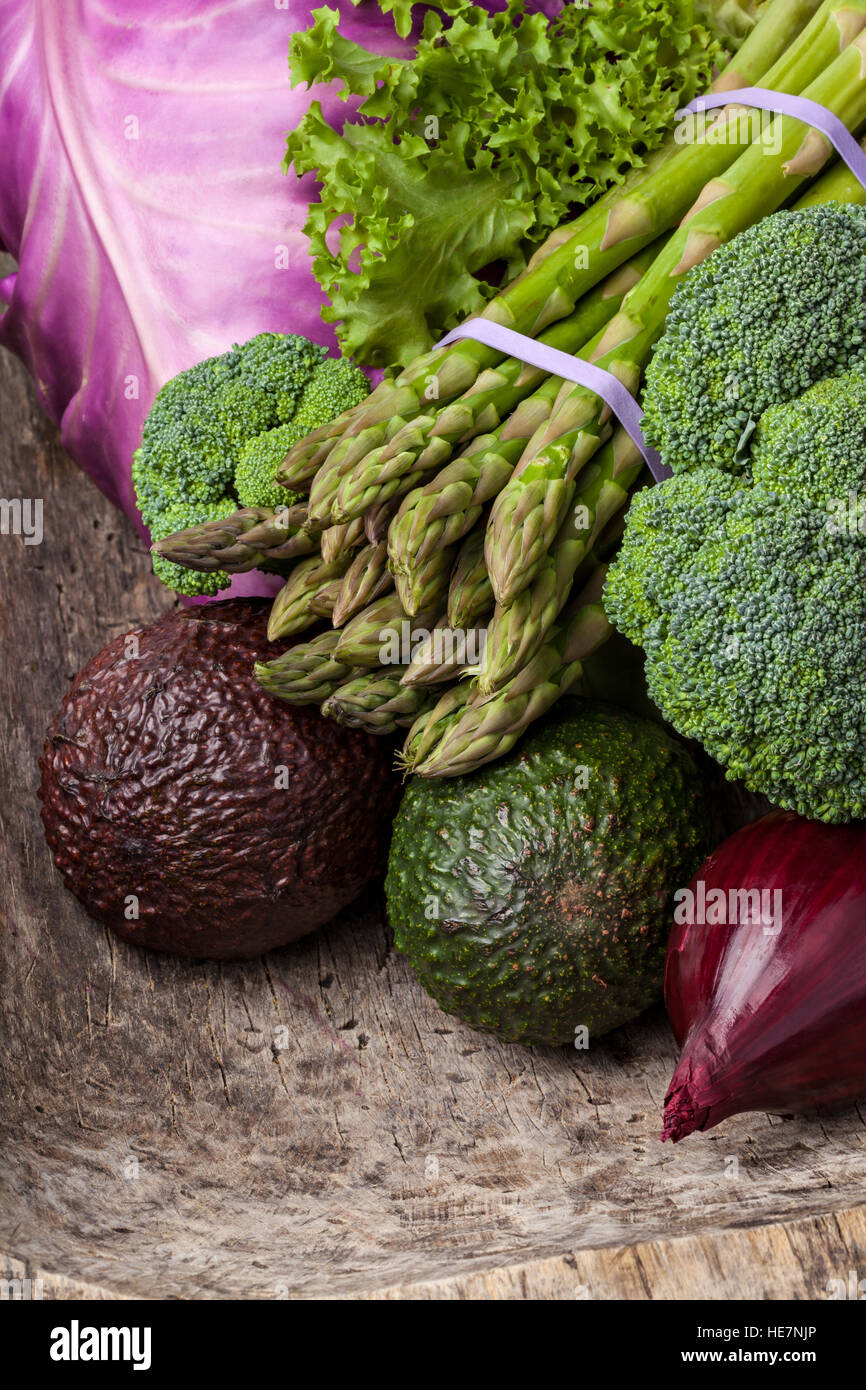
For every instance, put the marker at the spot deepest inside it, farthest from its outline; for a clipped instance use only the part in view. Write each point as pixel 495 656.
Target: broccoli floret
pixel 216 433
pixel 259 460
pixel 743 576
pixel 749 599
pixel 282 367
pixel 762 319
pixel 814 447
pixel 184 449
pixel 335 386
pixel 179 517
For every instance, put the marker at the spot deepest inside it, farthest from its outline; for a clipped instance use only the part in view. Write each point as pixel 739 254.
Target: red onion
pixel 767 992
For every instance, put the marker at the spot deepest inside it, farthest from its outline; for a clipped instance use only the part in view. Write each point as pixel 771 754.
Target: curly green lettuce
pixel 470 151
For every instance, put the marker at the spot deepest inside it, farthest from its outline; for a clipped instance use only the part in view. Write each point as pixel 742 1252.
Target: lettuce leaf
pixel 471 149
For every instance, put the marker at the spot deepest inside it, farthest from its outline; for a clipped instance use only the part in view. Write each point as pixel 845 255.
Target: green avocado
pixel 534 896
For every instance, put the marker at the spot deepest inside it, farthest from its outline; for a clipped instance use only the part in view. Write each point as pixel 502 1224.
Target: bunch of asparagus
pixel 459 520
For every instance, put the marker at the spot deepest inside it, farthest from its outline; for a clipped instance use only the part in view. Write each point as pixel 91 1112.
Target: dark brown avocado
pixel 192 812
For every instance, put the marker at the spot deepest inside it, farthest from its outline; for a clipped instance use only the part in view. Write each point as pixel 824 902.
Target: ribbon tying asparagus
pixel 605 385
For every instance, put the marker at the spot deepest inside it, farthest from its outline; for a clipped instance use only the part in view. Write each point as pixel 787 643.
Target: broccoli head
pixel 258 461
pixel 776 310
pixel 217 432
pixel 743 576
pixel 748 594
pixel 814 447
pixel 281 366
pixel 191 583
pixel 334 386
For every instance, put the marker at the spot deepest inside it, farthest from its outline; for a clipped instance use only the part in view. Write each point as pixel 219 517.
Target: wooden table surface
pixel 311 1124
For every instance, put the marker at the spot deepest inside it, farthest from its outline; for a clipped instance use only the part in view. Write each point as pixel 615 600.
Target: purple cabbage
pixel 142 196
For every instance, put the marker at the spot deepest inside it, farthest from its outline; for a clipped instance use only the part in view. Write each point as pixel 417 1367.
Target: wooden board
pixel 311 1124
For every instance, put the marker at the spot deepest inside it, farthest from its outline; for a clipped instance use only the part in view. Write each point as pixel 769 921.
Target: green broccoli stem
pixel 250 538
pixel 605 236
pixel 376 701
pixel 530 509
pixel 307 673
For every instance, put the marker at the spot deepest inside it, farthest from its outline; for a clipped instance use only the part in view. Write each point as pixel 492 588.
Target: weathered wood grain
pixel 793 1259
pixel 311 1124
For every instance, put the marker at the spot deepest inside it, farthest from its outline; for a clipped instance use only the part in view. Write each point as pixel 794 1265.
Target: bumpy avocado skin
pixel 549 901
pixel 238 823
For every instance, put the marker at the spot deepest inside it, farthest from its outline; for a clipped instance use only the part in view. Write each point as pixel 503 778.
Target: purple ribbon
pixel 784 104
pixel 558 363
pixel 604 384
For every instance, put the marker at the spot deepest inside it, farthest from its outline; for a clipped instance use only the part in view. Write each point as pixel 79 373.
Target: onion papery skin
pixel 771 1016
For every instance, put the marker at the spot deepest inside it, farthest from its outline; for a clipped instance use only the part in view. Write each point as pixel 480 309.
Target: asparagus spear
pixel 263 538
pixel 305 458
pixel 603 491
pixel 429 584
pixel 376 701
pixel 432 725
pixel 518 628
pixel 487 726
pixel 835 22
pixel 337 539
pixel 423 444
pixel 517 631
pixel 379 478
pixel 444 654
pixel 378 519
pixel 248 539
pixel 781 24
pixel 366 579
pixel 447 508
pixel 607 234
pixel 322 603
pixel 469 593
pixel 379 635
pixel 307 673
pixel 436 517
pixel 347 452
pixel 528 512
pixel 293 609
